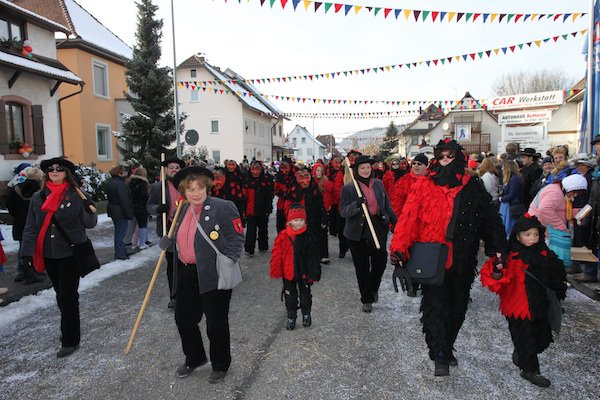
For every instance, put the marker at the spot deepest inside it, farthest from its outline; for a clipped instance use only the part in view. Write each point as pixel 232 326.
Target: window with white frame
pixel 294 143
pixel 194 96
pixel 216 156
pixel 193 73
pixel 103 142
pixel 303 140
pixel 254 128
pixel 246 126
pixel 299 152
pixel 100 73
pixel 214 126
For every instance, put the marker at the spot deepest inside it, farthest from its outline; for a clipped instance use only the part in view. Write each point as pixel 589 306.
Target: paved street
pixel 346 354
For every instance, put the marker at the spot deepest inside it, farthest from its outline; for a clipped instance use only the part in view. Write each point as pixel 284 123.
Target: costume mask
pixel 303 179
pixel 231 166
pixel 219 181
pixel 255 170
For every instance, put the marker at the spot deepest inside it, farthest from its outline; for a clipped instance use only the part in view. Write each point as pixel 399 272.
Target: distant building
pixel 306 148
pixel 418 132
pixel 328 141
pixel 230 125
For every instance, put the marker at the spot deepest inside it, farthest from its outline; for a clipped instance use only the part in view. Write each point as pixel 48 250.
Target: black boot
pixel 536 378
pixel 291 324
pixel 442 368
pixel 306 320
pixel 515 357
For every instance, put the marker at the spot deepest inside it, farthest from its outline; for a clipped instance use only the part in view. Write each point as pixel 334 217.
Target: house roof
pixel 81 24
pixel 34 18
pixel 307 133
pixel 239 88
pixel 38 65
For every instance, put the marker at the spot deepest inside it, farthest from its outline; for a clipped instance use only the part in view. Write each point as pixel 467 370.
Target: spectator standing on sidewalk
pixel 140 192
pixel 45 247
pixel 119 208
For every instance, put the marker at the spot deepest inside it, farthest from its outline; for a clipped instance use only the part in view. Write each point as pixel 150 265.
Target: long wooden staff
pixel 364 206
pixel 163 196
pixel 152 281
pixel 80 193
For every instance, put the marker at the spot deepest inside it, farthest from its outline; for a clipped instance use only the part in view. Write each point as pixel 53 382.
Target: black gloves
pixel 397 259
pixel 162 208
pixel 498 266
pixel 27 261
pixel 402 275
pixel 360 201
pixel 89 206
pixel 165 243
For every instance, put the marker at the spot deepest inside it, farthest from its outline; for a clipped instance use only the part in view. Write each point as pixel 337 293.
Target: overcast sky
pixel 259 42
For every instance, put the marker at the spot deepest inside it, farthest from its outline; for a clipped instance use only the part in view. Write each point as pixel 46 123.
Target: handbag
pixel 229 271
pixel 84 254
pixel 555 310
pixel 427 263
pixel 517 210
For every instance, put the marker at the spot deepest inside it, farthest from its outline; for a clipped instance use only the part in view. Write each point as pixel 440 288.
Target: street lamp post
pixel 177 125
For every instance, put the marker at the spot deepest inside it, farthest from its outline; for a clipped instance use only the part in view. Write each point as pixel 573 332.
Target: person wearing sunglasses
pixel 45 247
pixel 451 207
pixel 398 168
pixel 419 167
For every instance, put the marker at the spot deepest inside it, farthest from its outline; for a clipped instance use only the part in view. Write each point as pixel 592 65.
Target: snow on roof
pixel 36 66
pixel 256 93
pixel 93 31
pixel 57 26
pixel 302 130
pixel 250 101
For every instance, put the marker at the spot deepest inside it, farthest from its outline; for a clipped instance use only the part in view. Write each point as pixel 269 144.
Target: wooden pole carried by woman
pixel 153 280
pixel 163 196
pixel 349 175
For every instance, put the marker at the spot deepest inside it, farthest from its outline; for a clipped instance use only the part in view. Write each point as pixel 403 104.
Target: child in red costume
pixel 295 259
pixel 523 300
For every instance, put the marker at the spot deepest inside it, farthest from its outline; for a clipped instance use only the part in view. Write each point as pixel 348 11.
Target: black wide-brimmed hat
pixel 528 151
pixel 355 152
pixel 173 160
pixel 195 170
pixel 44 165
pixel 596 139
pixel 448 144
pixel 364 160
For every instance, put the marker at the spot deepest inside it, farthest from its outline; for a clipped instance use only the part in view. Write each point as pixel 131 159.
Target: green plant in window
pixel 15 144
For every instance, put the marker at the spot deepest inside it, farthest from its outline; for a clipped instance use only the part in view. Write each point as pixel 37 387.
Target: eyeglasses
pixel 395 163
pixel 448 156
pixel 417 163
pixel 56 169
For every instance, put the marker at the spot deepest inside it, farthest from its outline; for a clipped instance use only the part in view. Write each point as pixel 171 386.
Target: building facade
pixel 306 148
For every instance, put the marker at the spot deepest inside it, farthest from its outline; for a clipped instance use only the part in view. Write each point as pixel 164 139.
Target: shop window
pixel 100 72
pixel 20 123
pixel 103 141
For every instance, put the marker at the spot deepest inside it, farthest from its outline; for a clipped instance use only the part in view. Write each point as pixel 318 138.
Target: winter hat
pixel 21 167
pixel 525 223
pixel 588 160
pixel 173 160
pixel 422 158
pixel 35 174
pixel 574 182
pixel 472 164
pixel 547 159
pixel 296 211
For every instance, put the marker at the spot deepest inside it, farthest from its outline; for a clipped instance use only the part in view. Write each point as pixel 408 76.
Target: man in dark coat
pixel 530 173
pixel 258 190
pixel 119 208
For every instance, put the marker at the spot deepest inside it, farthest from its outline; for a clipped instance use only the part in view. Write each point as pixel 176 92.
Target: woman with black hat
pixel 451 207
pixel 530 173
pixel 45 247
pixel 369 262
pixel 196 289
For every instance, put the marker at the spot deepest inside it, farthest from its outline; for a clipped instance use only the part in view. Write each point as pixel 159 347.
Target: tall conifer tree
pixel 390 141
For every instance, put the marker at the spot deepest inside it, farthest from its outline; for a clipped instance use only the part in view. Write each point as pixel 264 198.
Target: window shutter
pixel 3 130
pixel 39 144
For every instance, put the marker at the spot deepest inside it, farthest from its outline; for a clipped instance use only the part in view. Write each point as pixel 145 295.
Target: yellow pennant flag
pixel 493 17
pixel 457 58
pixel 179 85
pixel 533 17
pixel 407 13
pixel 357 9
pixel 583 32
pixel 307 4
pixel 537 42
pixel 387 68
pixel 327 75
pixel 451 15
pixel 575 16
pixel 496 51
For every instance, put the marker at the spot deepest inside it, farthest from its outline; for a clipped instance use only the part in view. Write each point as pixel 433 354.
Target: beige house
pixel 231 118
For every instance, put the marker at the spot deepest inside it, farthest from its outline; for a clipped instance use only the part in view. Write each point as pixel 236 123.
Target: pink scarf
pixel 57 192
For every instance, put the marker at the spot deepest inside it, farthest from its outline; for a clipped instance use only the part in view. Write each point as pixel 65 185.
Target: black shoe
pixel 172 303
pixel 184 370
pixel 442 368
pixel 367 307
pixel 515 357
pixel 375 297
pixel 33 278
pixel 19 277
pixel 306 320
pixel 452 361
pixel 536 378
pixel 122 258
pixel 411 293
pixel 342 254
pixel 249 254
pixel 325 260
pixel 216 376
pixel 291 324
pixel 67 351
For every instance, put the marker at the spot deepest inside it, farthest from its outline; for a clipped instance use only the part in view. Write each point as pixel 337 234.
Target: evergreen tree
pixel 148 133
pixel 389 141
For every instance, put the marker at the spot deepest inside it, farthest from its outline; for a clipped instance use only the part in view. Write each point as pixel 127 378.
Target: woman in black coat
pixel 369 262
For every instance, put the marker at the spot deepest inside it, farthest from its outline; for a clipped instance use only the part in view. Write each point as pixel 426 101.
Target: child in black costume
pixel 295 259
pixel 523 300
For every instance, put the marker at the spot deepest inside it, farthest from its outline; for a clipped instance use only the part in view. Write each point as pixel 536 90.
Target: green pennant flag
pixel 376 10
pixel 425 14
pixel 469 15
pixel 509 17
pixel 443 60
pixel 327 7
pixel 565 36
pixel 521 46
pixel 272 2
pixel 480 54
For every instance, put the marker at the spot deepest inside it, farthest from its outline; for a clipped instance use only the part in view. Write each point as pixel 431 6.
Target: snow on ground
pixel 46 298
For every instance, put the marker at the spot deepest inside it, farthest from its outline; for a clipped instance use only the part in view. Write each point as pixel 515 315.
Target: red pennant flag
pixel 283 78
pixel 283 3
pixel 221 91
pixel 555 38
pixel 557 16
pixel 434 15
pixel 512 48
pixel 518 17
pixel 338 7
pixel 386 11
pixel 472 56
pixel 435 62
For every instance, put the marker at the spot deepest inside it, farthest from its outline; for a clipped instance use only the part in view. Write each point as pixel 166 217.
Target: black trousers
pixel 323 242
pixel 342 239
pixel 254 224
pixel 170 260
pixel 530 337
pixel 369 264
pixel 334 216
pixel 280 220
pixel 293 291
pixel 444 308
pixel 65 279
pixel 189 309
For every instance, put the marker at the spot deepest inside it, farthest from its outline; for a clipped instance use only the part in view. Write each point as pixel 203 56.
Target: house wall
pixel 81 114
pixel 564 127
pixel 42 41
pixel 303 151
pixel 257 138
pixel 227 109
pixel 488 125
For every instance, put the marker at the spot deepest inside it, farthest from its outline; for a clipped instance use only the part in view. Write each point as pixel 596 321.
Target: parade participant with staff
pixel 45 246
pixel 197 285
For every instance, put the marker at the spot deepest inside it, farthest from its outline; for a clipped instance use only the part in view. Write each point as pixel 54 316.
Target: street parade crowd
pixel 524 206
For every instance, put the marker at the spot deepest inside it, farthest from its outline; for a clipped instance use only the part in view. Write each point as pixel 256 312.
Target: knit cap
pixel 296 211
pixel 574 182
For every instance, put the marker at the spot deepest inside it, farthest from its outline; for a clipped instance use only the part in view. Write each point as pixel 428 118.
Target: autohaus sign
pixel 520 101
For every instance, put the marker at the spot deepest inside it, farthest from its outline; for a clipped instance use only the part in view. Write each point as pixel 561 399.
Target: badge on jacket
pixel 238 226
pixel 214 235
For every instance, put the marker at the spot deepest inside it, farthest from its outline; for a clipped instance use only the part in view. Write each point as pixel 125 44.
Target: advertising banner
pixel 525 117
pixel 554 98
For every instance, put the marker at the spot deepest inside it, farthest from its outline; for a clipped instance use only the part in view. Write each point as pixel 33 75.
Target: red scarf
pixel 292 233
pixel 57 192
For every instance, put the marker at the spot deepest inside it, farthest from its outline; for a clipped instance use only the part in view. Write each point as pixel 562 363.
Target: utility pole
pixel 176 99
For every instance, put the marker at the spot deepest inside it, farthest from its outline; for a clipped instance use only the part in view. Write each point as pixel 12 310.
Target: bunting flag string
pixel 438 62
pixel 201 86
pixel 418 16
pixel 346 115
